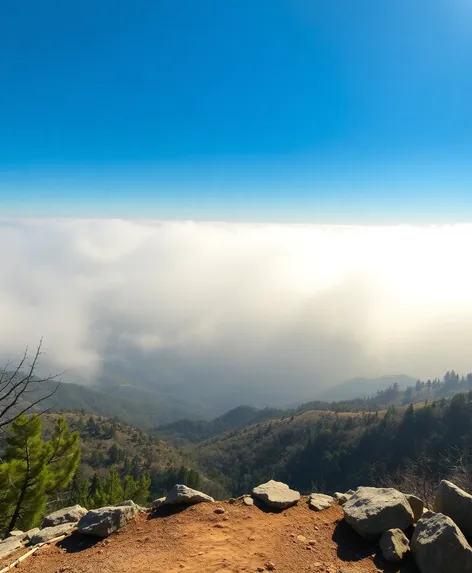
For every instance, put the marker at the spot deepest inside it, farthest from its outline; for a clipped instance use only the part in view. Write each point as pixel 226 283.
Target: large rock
pixel 341 498
pixel 186 495
pixel 49 533
pixel 438 545
pixel 17 533
pixel 130 503
pixel 370 511
pixel 319 501
pixel 156 504
pixel 455 503
pixel 24 536
pixel 66 515
pixel 31 532
pixel 9 545
pixel 416 505
pixel 276 494
pixel 104 521
pixel 394 545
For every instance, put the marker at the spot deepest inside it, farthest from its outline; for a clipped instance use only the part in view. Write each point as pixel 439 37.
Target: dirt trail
pixel 196 540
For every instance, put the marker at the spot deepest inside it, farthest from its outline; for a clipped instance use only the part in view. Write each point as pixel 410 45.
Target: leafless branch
pixel 17 386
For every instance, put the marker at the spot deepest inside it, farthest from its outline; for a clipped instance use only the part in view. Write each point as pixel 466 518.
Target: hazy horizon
pixel 239 310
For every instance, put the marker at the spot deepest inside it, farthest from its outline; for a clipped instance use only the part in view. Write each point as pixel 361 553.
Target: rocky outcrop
pixel 48 533
pixel 320 501
pixel 106 520
pixel 371 511
pixel 158 502
pixel 341 498
pixel 24 536
pixel 455 503
pixel 394 545
pixel 130 503
pixel 10 545
pixel 416 505
pixel 66 515
pixel 31 532
pixel 186 495
pixel 276 494
pixel 439 546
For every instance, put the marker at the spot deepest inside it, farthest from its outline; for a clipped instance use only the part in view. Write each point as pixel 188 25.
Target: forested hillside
pixel 132 405
pixel 121 461
pixel 331 451
pixel 319 445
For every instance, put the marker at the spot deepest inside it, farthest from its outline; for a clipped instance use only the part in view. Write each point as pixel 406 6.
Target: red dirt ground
pixel 196 540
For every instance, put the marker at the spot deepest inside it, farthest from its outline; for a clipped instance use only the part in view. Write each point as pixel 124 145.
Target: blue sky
pixel 297 110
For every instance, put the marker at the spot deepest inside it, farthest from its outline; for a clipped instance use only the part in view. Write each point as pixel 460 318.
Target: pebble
pixel 302 538
pixel 269 566
pixel 219 510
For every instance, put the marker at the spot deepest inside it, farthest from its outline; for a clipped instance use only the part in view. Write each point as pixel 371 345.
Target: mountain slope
pixel 136 406
pixel 363 387
pixel 184 431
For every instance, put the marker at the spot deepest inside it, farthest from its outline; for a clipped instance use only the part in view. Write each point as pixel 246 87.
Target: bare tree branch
pixel 19 386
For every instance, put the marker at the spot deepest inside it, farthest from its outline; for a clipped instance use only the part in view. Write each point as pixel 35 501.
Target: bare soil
pixel 196 540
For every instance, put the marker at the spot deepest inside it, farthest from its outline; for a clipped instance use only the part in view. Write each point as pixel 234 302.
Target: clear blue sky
pixel 302 110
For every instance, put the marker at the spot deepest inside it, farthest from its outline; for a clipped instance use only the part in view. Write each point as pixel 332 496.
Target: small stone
pixel 181 494
pixel 276 494
pixel 312 542
pixel 320 501
pixel 302 538
pixel 260 569
pixel 219 510
pixel 248 501
pixel 394 545
pixel 269 566
pixel 232 500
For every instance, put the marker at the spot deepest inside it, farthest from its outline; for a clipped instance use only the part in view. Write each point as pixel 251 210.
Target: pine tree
pixel 79 490
pixel 113 488
pixel 137 490
pixel 34 469
pixel 97 496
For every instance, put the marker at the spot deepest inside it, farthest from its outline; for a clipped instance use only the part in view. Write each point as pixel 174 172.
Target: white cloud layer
pixel 237 311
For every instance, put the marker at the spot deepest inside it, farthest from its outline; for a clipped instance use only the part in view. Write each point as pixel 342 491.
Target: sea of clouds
pixel 266 312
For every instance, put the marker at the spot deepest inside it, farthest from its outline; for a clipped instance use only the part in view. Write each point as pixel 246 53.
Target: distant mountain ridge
pixel 361 387
pixel 132 405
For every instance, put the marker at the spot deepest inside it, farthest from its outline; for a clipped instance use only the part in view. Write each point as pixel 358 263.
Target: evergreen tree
pixel 113 488
pixel 79 491
pixel 33 469
pixel 97 495
pixel 137 490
